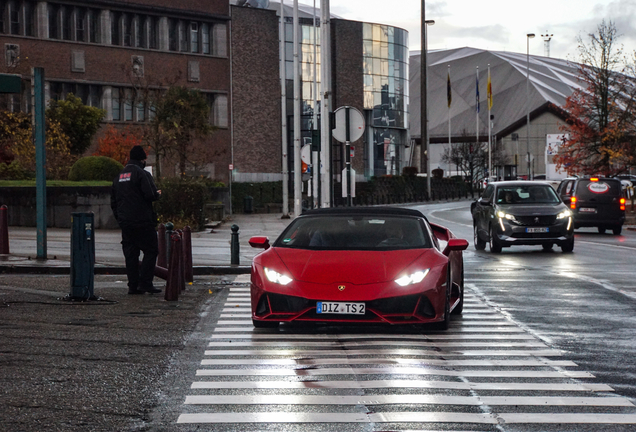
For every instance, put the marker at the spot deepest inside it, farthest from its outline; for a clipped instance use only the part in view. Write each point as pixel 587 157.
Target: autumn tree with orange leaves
pixel 116 143
pixel 601 127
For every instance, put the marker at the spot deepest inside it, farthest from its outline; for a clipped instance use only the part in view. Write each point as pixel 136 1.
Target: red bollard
pixel 162 260
pixel 181 263
pixel 187 254
pixel 4 230
pixel 172 282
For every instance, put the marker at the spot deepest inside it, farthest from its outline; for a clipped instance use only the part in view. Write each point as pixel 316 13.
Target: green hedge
pixel 182 200
pixel 95 168
pixel 261 193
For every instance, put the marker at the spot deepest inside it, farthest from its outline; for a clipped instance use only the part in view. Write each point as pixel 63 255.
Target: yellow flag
pixel 489 91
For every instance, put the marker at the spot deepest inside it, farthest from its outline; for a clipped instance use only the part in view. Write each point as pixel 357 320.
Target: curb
pixel 197 271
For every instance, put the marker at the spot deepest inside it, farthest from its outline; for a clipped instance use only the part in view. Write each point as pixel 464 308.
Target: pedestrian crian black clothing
pixel 131 199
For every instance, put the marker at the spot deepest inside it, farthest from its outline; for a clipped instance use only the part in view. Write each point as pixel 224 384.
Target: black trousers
pixel 134 241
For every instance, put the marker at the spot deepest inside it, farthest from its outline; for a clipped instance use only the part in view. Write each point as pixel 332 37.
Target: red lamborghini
pixel 358 264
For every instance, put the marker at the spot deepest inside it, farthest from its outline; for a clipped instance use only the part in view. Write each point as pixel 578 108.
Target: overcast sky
pixel 499 25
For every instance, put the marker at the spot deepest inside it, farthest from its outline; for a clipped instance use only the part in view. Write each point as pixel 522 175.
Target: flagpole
pixel 488 91
pixel 477 108
pixel 449 96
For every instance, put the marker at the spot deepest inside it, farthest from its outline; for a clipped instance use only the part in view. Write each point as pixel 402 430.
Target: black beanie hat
pixel 138 153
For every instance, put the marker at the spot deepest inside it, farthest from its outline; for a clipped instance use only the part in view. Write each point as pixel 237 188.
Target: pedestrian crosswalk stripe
pixel 408 417
pixel 301 372
pixel 246 327
pixel 378 336
pixel 416 384
pixel 406 399
pixel 528 362
pixel 294 345
pixel 393 352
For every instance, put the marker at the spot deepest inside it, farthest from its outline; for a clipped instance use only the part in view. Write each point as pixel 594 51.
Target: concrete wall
pixel 60 203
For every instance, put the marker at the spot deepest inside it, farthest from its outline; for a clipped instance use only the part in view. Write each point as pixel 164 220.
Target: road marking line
pixel 389 361
pixel 376 384
pixel 278 337
pixel 394 352
pixel 301 372
pixel 407 399
pixel 333 344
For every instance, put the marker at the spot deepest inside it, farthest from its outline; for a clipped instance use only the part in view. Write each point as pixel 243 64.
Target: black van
pixel 595 202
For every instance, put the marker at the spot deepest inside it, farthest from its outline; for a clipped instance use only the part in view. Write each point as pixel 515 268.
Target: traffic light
pixel 315 140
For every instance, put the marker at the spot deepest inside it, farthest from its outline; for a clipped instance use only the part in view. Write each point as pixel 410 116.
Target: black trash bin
pixel 248 204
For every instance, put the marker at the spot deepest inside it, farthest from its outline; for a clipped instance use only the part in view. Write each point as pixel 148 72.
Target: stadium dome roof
pixel 551 82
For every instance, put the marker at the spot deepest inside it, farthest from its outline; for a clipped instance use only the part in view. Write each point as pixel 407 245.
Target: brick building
pixel 369 72
pixel 113 54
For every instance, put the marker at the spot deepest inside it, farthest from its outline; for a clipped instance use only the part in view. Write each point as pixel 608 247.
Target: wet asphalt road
pixel 141 364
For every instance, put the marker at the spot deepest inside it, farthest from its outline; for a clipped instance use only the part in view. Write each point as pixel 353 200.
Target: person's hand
pixel 159 191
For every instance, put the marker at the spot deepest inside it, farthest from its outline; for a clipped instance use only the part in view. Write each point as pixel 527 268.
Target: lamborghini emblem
pixel 341 287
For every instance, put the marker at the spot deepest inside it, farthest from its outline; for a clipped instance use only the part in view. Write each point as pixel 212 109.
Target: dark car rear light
pixel 622 204
pixel 573 203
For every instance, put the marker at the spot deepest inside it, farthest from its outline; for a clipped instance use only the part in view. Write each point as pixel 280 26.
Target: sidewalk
pixel 210 248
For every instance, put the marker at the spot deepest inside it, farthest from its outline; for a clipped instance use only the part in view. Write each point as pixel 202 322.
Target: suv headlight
pixel 503 215
pixel 564 214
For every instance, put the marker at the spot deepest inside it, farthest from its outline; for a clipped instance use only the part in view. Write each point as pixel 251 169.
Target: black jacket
pixel 132 195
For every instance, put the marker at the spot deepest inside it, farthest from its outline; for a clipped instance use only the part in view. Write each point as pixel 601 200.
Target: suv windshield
pixel 527 194
pixel 358 232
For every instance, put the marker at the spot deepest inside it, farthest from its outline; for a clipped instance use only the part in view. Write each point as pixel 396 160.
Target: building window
pixel 54 27
pixel 67 22
pixel 194 37
pixel 116 104
pixel 80 24
pixel 183 37
pixel 219 40
pixel 128 105
pixel 115 28
pixel 93 25
pixel 127 28
pixel 14 18
pixel 218 110
pixel 172 35
pixel 205 38
pixel 141 110
pixel 152 32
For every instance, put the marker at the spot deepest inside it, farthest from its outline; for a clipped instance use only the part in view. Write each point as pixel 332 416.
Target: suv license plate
pixel 587 210
pixel 536 230
pixel 340 308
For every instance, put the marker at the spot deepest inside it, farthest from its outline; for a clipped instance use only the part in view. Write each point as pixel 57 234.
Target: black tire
pixel 568 247
pixel 617 230
pixel 443 325
pixel 265 324
pixel 460 306
pixel 601 230
pixel 479 243
pixel 547 246
pixel 495 246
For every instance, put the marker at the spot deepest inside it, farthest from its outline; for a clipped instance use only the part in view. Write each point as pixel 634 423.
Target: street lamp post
pixel 424 127
pixel 528 37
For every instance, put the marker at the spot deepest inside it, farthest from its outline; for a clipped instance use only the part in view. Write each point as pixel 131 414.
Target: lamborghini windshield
pixel 343 232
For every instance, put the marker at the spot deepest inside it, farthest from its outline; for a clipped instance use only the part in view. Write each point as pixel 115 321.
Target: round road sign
pixel 356 124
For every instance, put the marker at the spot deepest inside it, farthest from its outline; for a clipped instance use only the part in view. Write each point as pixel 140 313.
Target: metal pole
pixel 315 160
pixel 283 104
pixel 348 154
pixel 39 139
pixel 423 106
pixel 297 163
pixel 489 127
pixel 528 37
pixel 325 111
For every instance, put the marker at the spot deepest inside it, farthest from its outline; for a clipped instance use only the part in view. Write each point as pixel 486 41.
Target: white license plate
pixel 587 210
pixel 340 308
pixel 536 230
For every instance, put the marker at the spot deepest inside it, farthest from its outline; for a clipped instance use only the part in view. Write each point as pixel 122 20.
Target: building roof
pixel 304 10
pixel 551 82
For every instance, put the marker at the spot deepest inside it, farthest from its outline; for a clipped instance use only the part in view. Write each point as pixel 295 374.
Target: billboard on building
pixel 552 145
